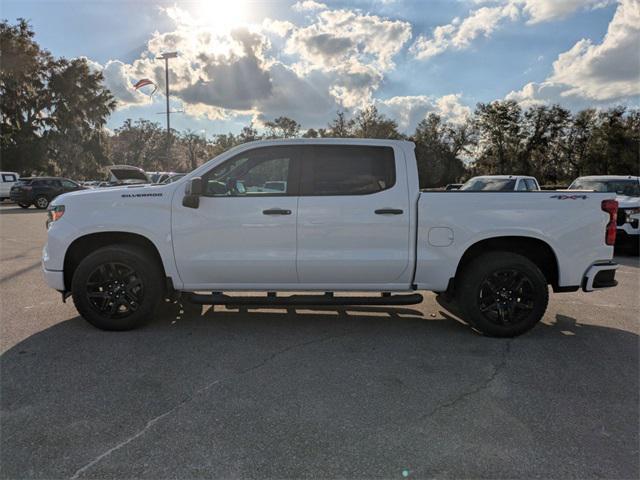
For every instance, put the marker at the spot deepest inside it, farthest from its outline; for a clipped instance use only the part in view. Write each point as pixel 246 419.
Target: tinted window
pixel 8 177
pixel 621 187
pixel 522 185
pixel 531 184
pixel 347 170
pixel 68 184
pixel 489 185
pixel 259 172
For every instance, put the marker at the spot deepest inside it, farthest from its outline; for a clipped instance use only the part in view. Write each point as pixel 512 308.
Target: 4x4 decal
pixel 569 197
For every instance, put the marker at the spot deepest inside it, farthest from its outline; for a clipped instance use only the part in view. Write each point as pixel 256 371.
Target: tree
pixel 196 147
pixel 499 127
pixel 282 127
pixel 544 132
pixel 437 147
pixel 339 127
pixel 140 143
pixel 52 111
pixel 79 108
pixel 24 98
pixel 369 123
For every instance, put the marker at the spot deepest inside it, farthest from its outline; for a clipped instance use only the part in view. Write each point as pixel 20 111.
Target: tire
pixel 41 202
pixel 503 294
pixel 117 287
pixel 24 205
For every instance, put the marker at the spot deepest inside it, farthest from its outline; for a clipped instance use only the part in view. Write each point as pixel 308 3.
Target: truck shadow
pixel 352 391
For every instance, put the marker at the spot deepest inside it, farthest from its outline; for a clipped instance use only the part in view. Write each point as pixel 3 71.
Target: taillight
pixel 611 207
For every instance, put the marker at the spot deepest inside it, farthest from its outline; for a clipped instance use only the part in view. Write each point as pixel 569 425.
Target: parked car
pixel 119 175
pixel 174 177
pixel 39 191
pixel 627 191
pixel 352 219
pixel 91 183
pixel 7 180
pixel 159 177
pixel 501 183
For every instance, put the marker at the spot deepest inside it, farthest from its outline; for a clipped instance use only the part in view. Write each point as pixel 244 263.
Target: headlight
pixel 632 211
pixel 54 213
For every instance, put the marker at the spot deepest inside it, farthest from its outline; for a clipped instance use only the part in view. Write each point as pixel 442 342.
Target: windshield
pixel 630 188
pixel 489 185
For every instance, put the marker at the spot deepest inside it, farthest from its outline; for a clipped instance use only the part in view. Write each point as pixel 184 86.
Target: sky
pixel 242 61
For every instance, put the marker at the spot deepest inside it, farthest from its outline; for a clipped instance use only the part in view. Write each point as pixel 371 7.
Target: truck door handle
pixel 389 211
pixel 276 211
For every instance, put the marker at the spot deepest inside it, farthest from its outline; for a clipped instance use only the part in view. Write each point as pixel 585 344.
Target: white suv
pixel 7 180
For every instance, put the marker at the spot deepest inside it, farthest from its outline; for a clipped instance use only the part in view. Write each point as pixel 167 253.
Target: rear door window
pixel 531 184
pixel 347 170
pixel 68 184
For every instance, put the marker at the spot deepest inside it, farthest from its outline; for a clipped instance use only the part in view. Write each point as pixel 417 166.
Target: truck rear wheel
pixel 117 287
pixel 503 294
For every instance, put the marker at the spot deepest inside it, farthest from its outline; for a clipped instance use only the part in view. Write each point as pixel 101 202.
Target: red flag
pixel 143 83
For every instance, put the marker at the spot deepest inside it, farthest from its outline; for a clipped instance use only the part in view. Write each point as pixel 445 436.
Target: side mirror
pixel 192 193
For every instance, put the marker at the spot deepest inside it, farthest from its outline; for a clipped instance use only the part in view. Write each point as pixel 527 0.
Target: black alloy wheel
pixel 502 294
pixel 506 297
pixel 115 290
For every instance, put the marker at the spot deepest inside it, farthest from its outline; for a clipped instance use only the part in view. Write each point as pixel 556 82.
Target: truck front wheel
pixel 503 294
pixel 117 287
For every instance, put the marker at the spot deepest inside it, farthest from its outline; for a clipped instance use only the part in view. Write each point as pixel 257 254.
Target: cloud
pixel 335 60
pixel 460 33
pixel 308 5
pixel 339 35
pixel 408 111
pixel 482 22
pixel 118 78
pixel 549 10
pixel 594 73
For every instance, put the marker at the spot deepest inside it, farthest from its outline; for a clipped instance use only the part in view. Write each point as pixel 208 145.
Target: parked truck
pixel 350 218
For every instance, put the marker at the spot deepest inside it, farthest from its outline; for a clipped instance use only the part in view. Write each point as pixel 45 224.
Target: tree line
pixel 53 114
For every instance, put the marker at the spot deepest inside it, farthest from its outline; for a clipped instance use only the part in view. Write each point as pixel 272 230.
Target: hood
pixel 122 173
pixel 625 201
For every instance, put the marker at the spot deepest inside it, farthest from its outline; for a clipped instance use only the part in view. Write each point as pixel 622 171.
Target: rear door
pixel 353 217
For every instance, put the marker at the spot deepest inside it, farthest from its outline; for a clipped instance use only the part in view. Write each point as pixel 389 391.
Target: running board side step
pixel 306 300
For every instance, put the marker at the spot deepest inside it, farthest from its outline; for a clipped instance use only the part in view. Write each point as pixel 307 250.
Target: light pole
pixel 166 56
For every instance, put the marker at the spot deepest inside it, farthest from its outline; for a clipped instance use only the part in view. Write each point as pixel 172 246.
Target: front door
pixel 243 234
pixel 353 218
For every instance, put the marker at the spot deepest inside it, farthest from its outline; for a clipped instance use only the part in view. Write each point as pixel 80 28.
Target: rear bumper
pixel 600 276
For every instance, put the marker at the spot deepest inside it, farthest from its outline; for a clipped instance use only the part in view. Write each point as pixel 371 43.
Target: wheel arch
pixel 536 250
pixel 86 244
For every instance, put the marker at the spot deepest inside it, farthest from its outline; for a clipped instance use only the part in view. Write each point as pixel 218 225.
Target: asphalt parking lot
pixel 359 393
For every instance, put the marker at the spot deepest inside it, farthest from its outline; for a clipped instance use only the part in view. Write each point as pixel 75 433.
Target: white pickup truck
pixel 350 219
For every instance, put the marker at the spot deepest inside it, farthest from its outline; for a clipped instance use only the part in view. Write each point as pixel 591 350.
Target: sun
pixel 221 14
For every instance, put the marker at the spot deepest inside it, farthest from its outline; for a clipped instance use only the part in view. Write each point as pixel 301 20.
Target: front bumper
pixel 54 279
pixel 600 276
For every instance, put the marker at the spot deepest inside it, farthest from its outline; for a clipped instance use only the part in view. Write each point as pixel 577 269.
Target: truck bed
pixel 449 223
